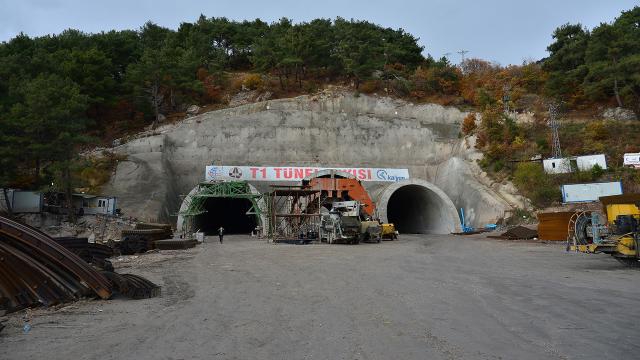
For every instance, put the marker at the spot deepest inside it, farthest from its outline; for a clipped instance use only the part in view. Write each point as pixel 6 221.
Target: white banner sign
pixel 288 173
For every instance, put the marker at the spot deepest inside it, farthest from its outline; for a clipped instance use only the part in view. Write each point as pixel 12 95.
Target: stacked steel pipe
pixel 35 270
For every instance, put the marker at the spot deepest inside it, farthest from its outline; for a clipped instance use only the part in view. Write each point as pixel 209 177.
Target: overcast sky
pixel 504 31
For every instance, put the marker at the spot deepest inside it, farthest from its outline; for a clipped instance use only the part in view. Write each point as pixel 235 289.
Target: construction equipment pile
pixel 95 254
pixel 37 270
pixel 149 236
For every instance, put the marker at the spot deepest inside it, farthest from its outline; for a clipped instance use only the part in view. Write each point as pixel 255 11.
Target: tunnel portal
pixel 413 206
pixel 237 206
pixel 418 207
pixel 230 213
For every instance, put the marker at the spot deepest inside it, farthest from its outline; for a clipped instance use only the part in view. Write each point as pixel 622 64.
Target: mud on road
pixel 422 297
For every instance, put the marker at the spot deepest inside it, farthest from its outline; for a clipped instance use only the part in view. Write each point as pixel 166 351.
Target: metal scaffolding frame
pixel 219 189
pixel 293 210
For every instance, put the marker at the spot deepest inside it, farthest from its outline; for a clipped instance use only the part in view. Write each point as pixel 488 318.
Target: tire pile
pixel 36 270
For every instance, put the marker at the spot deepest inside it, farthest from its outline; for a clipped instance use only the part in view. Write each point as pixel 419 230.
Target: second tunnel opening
pixel 415 209
pixel 230 213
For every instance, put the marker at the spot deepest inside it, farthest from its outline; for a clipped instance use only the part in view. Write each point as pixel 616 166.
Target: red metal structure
pixel 344 189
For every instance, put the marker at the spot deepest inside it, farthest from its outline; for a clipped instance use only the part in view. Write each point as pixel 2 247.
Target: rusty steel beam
pixel 39 277
pixel 47 249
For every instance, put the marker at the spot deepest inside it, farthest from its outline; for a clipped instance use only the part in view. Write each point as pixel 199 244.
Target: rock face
pixel 330 129
pixel 193 110
pixel 619 114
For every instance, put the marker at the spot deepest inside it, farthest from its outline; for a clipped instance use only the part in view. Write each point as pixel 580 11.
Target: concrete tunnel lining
pixel 417 206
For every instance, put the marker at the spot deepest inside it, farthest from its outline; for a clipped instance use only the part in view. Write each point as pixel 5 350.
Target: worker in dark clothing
pixel 221 233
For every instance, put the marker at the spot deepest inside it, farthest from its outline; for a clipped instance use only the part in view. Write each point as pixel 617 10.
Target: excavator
pixel 349 213
pixel 615 230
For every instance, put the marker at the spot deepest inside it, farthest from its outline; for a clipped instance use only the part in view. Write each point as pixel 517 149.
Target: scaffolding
pixel 219 189
pixel 294 212
pixel 291 212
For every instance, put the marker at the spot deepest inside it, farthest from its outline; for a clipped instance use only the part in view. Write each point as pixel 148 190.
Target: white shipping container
pixel 569 164
pixel 589 192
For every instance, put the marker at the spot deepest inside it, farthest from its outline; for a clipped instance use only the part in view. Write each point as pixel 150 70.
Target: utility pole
pixel 506 98
pixel 462 54
pixel 554 125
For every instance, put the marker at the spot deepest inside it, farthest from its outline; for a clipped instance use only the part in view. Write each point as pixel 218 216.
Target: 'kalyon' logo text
pixel 384 176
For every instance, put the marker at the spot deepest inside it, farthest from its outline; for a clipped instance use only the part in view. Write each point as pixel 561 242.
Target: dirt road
pixel 423 297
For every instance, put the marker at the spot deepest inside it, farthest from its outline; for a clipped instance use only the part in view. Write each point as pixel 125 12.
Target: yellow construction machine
pixel 615 230
pixel 389 232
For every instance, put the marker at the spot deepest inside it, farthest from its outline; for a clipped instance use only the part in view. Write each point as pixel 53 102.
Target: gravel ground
pixel 422 297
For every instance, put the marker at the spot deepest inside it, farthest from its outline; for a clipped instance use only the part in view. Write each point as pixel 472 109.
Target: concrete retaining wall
pixel 337 130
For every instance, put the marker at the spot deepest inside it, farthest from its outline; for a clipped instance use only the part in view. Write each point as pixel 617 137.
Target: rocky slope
pixel 332 128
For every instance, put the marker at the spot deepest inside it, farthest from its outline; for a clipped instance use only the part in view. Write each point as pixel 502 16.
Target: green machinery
pixel 219 189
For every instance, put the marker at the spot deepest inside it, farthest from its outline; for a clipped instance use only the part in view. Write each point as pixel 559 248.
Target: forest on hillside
pixel 61 92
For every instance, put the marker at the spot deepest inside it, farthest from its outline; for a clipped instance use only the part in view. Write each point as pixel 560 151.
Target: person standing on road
pixel 221 233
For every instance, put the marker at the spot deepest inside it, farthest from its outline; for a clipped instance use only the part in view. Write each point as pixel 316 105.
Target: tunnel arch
pixel 260 220
pixel 417 206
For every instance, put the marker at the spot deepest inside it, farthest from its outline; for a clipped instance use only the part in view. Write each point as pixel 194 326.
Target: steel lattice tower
pixel 554 125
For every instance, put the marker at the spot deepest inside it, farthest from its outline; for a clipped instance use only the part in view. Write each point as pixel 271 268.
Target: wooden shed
pixel 554 225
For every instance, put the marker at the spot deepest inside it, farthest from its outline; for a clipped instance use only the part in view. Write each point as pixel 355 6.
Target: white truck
pixel 346 223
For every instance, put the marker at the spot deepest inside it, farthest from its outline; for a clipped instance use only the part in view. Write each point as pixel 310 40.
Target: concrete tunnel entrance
pixel 414 206
pixel 418 207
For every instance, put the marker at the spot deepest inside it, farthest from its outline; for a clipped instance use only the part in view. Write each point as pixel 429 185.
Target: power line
pixel 554 125
pixel 462 54
pixel 506 97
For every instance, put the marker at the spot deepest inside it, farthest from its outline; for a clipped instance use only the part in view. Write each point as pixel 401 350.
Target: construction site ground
pixel 422 297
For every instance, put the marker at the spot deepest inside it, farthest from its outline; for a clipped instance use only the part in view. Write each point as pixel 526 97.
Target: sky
pixel 506 32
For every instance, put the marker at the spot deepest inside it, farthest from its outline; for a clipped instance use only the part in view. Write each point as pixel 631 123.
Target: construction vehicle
pixel 615 230
pixel 347 223
pixel 388 232
pixel 370 231
pixel 340 189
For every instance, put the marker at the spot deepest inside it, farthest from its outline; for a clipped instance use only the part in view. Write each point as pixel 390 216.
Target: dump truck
pixel 615 230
